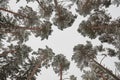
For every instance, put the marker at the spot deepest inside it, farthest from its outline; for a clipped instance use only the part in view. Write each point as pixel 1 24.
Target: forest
pixel 38 18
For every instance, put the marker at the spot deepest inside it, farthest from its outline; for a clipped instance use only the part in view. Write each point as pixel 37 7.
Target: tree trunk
pixel 107 70
pixel 60 71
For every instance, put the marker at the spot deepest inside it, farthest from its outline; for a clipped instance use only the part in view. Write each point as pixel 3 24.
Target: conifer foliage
pixel 19 61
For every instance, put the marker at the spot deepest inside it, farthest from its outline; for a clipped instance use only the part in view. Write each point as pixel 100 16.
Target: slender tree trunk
pixel 60 71
pixel 107 70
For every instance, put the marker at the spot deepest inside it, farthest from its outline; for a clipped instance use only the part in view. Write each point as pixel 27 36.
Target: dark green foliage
pixel 111 52
pixel 45 9
pixel 45 30
pixel 63 18
pixel 48 56
pixel 20 62
pixel 9 25
pixel 3 3
pixel 100 25
pixel 89 75
pixel 100 48
pixel 95 24
pixel 32 16
pixel 82 54
pixel 13 60
pixel 8 22
pixel 72 77
pixel 18 65
pixel 85 7
pixel 60 61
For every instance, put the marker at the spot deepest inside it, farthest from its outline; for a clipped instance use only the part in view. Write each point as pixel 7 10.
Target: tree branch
pixel 57 8
pixel 107 70
pixel 38 65
pixel 103 58
pixel 14 13
pixel 5 53
pixel 13 29
pixel 103 27
pixel 40 5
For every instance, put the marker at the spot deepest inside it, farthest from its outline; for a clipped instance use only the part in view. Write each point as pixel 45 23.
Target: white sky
pixel 63 42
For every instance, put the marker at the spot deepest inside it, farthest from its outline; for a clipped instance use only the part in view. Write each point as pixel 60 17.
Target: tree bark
pixel 60 71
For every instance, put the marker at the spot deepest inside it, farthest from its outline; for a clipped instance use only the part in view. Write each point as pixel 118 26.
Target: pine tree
pixel 60 64
pixel 84 55
pixel 19 62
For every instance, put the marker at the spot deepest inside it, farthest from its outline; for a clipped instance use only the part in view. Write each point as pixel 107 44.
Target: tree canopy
pixel 19 61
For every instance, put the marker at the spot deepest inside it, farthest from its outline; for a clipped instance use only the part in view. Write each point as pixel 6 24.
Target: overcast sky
pixel 63 42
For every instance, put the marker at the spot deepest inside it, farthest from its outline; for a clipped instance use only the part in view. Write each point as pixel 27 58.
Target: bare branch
pixel 103 58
